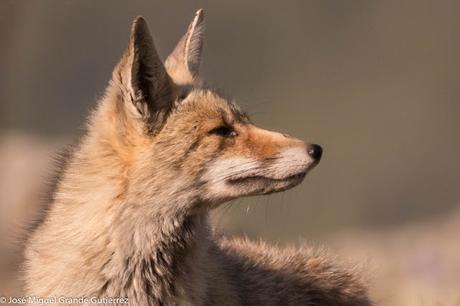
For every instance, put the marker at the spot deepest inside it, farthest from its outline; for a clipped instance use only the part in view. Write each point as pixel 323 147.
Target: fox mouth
pixel 298 176
pixel 230 178
pixel 259 184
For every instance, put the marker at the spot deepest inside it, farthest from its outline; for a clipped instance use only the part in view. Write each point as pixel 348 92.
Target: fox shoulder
pixel 298 275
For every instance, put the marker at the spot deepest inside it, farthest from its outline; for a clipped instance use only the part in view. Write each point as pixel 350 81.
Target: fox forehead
pixel 206 104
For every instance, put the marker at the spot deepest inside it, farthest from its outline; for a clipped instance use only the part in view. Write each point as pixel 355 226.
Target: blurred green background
pixel 376 83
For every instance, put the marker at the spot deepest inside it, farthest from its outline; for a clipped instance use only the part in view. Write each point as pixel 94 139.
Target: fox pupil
pixel 224 131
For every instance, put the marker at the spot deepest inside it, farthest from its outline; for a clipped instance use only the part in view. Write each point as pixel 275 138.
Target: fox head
pixel 180 138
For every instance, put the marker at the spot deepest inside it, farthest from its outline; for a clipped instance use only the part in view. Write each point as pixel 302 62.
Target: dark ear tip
pixel 139 25
pixel 139 20
pixel 140 31
pixel 199 15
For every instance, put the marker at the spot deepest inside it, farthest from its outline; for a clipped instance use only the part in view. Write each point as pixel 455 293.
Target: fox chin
pixel 128 216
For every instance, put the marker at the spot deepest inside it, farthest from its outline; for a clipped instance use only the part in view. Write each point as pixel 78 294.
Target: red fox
pixel 128 218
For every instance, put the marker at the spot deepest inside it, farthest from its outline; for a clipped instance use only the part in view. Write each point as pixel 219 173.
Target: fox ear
pixel 183 63
pixel 147 89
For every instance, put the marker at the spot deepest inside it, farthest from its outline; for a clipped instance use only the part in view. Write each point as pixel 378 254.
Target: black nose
pixel 315 151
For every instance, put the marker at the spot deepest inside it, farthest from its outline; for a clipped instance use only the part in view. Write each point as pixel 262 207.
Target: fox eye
pixel 183 93
pixel 182 96
pixel 224 131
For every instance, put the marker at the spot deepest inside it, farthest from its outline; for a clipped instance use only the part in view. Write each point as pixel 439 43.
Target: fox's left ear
pixel 183 63
pixel 147 90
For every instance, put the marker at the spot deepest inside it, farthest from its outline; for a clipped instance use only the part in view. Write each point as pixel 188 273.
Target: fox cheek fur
pixel 129 214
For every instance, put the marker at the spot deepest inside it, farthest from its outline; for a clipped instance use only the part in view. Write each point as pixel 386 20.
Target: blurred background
pixel 376 83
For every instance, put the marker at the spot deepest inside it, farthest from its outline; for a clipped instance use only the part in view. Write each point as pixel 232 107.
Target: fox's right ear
pixel 183 63
pixel 147 90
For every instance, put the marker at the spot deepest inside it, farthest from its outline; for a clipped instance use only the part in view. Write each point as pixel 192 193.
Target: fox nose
pixel 315 151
